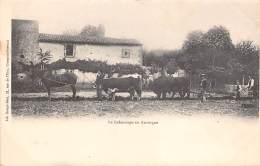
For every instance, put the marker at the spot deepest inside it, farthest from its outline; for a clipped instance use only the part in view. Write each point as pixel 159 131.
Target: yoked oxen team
pixel 132 84
pixel 162 84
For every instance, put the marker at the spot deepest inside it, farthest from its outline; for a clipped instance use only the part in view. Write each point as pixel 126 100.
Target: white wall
pixel 57 50
pixel 111 54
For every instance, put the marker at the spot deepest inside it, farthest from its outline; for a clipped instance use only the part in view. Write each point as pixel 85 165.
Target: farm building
pixel 74 48
pixel 26 42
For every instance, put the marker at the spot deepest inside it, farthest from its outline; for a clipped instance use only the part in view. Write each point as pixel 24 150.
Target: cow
pixel 124 84
pixel 165 84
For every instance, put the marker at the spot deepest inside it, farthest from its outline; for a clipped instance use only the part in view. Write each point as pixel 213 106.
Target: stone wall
pixel 25 35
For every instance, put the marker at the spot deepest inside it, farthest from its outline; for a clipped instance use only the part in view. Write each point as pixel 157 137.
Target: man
pixel 99 84
pixel 238 90
pixel 203 86
pixel 253 87
pixel 251 83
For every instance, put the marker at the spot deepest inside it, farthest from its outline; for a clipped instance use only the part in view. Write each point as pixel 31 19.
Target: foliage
pixel 70 32
pixel 87 30
pixel 210 52
pixel 161 59
pixel 44 57
pixel 95 66
pixel 247 54
pixel 194 42
pixel 246 51
pixel 172 67
pixel 93 31
pixel 218 37
pixel 206 50
pixel 194 50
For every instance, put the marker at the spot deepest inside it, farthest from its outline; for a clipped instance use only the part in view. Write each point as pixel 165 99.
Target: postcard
pixel 133 82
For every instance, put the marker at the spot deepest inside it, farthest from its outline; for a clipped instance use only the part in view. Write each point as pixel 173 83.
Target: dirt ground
pixel 80 132
pixel 37 104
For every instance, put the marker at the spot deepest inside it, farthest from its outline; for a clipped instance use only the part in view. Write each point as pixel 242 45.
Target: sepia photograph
pixel 132 82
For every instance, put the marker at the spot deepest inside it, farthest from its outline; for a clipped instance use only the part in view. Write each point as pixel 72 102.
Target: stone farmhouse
pixel 111 50
pixel 27 40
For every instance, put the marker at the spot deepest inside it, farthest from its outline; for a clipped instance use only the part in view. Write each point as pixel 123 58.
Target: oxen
pixel 124 84
pixel 165 84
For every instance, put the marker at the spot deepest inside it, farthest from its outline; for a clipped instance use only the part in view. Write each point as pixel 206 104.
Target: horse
pixel 50 80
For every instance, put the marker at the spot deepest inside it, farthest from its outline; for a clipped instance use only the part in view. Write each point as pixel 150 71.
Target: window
pixel 126 53
pixel 69 50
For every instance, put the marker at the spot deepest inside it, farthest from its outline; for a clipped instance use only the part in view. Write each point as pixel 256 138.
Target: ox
pixel 50 80
pixel 164 84
pixel 124 84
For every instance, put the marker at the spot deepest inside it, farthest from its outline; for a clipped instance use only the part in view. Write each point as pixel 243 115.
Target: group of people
pixel 251 87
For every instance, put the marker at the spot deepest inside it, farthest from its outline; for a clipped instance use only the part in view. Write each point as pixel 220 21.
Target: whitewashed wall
pixel 57 50
pixel 111 54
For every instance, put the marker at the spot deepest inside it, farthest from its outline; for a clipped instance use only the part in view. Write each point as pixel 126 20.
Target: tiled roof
pixel 54 38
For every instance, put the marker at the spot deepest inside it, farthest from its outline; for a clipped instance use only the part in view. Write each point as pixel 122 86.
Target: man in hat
pixel 203 86
pixel 99 79
pixel 238 90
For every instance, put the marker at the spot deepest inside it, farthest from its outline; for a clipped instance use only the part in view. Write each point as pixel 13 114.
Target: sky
pixel 156 24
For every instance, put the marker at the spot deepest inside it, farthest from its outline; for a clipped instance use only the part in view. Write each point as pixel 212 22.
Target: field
pixel 37 104
pixel 182 132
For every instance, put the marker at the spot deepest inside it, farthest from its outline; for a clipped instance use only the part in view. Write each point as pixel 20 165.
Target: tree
pixel 70 32
pixel 220 46
pixel 172 67
pixel 218 37
pixel 206 51
pixel 159 58
pixel 246 51
pixel 93 31
pixel 194 52
pixel 194 42
pixel 235 69
pixel 247 54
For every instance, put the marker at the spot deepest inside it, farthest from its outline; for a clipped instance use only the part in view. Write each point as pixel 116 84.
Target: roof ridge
pixel 44 37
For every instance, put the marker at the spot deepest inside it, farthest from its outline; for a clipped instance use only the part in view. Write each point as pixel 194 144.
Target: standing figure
pixel 203 86
pixel 164 72
pixel 251 86
pixel 251 82
pixel 99 79
pixel 238 90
